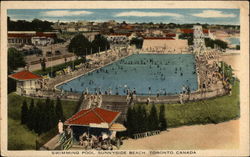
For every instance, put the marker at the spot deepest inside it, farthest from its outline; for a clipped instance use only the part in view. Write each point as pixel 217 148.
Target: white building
pixel 71 29
pixel 117 39
pixel 27 82
pixel 199 42
pixel 42 41
pixel 31 37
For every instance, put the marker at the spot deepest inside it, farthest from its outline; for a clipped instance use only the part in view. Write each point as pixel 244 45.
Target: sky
pixel 209 16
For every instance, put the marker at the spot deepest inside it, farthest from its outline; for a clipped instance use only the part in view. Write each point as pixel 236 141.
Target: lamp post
pixel 223 70
pixel 86 53
pixel 51 62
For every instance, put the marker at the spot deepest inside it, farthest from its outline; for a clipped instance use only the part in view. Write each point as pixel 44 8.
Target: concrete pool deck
pixel 65 78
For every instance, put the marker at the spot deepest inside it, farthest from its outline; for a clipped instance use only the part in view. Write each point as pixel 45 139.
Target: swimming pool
pixel 234 41
pixel 144 73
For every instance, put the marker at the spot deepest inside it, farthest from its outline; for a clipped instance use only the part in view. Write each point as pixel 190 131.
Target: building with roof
pixel 152 44
pixel 206 32
pixel 31 37
pixel 118 38
pixel 27 82
pixel 93 120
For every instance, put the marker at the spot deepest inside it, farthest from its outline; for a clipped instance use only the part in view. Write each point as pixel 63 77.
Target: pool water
pixel 144 73
pixel 234 41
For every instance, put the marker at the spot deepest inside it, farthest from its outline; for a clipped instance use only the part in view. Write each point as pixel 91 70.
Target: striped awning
pixel 117 127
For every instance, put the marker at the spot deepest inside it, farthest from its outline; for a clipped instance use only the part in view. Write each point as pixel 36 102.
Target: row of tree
pixel 188 36
pixel 34 25
pixel 208 42
pixel 43 116
pixel 138 42
pixel 227 71
pixel 15 61
pixel 81 46
pixel 211 43
pixel 139 121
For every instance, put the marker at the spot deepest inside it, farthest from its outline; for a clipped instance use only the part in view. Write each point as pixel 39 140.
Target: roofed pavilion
pixel 93 120
pixel 27 82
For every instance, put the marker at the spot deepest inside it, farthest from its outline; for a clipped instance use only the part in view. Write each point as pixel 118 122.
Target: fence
pixel 67 144
pixel 146 134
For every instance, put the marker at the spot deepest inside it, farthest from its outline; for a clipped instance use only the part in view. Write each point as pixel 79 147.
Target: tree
pixel 237 47
pixel 171 25
pixel 79 45
pixel 145 119
pixel 141 119
pixel 43 116
pixel 188 36
pixel 36 119
pixel 15 60
pixel 136 120
pixel 151 23
pixel 221 44
pixel 31 115
pixel 59 110
pixel 228 72
pixel 24 113
pixel 153 119
pixel 43 64
pixel 41 123
pixel 138 42
pixel 210 43
pixel 11 85
pixel 99 43
pixel 129 122
pixel 34 25
pixel 52 116
pixel 162 118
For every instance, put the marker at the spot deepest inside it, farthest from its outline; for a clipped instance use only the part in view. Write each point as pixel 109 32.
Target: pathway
pixel 52 144
pixel 211 136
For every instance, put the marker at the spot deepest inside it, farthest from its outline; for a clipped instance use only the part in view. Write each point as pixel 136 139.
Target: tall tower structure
pixel 199 42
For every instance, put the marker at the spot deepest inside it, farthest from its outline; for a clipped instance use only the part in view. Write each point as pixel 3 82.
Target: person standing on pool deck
pixel 148 101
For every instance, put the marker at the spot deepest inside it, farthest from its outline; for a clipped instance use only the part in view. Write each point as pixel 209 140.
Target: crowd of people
pixel 164 50
pixel 93 100
pixel 208 74
pixel 102 142
pixel 153 70
pixel 87 140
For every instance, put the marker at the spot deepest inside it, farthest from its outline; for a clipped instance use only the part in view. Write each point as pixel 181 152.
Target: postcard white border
pixel 244 61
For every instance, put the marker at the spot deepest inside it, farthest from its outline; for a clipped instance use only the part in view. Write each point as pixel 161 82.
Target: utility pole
pixel 223 70
pixel 86 54
pixel 51 62
pixel 73 60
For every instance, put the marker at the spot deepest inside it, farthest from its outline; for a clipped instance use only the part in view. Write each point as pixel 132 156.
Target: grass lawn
pixel 213 110
pixel 19 136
